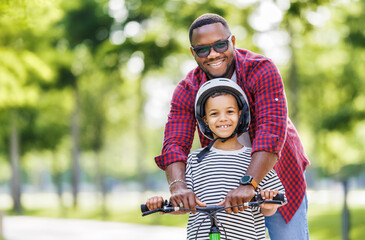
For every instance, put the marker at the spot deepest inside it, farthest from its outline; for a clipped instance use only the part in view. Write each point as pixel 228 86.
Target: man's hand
pixel 243 193
pixel 185 198
pixel 181 196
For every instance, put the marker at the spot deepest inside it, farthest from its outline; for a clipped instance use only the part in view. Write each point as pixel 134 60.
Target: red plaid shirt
pixel 270 129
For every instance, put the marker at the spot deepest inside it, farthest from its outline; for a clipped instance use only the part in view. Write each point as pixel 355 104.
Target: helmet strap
pixel 206 150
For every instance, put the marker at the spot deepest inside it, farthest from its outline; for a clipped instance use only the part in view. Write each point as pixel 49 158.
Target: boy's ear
pixel 205 119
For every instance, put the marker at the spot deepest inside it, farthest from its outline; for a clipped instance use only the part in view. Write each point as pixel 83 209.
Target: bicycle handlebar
pixel 166 207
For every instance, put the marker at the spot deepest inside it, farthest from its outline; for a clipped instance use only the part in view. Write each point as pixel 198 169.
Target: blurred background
pixel 85 87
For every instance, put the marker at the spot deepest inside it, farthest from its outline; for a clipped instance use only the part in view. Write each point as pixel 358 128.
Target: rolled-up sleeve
pixel 270 108
pixel 180 127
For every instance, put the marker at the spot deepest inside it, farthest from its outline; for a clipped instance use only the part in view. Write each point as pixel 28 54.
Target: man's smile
pixel 216 63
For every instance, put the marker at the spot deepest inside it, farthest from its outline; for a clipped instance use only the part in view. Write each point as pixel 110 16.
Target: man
pixel 275 141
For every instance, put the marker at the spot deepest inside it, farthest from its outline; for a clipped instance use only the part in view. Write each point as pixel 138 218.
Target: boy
pixel 223 114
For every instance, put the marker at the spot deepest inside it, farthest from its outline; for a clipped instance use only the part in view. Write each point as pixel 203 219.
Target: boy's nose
pixel 223 117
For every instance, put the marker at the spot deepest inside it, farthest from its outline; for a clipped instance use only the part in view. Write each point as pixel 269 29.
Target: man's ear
pixel 233 39
pixel 192 51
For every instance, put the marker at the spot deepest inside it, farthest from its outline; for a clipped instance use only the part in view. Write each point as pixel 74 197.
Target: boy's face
pixel 221 115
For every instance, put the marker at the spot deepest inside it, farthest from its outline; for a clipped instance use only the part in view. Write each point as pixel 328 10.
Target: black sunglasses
pixel 203 51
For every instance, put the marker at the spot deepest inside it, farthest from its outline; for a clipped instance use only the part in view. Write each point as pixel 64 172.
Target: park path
pixel 37 228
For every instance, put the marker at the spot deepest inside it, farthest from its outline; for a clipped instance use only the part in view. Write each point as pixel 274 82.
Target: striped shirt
pixel 211 180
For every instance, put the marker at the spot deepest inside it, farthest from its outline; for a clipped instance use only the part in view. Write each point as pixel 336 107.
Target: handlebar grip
pixel 278 199
pixel 145 211
pixel 144 208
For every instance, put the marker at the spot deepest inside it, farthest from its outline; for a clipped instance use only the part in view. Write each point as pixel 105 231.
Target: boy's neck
pixel 229 145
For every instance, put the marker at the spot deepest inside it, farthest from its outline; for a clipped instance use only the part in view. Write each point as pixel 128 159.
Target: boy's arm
pixel 269 212
pixel 268 209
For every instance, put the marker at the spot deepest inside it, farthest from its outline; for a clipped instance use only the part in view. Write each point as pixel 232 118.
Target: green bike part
pixel 215 236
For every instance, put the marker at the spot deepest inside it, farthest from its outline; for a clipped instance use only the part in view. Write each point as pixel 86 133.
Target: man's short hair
pixel 206 19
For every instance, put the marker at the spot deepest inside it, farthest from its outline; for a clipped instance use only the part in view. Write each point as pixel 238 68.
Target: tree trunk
pixel 15 169
pixel 75 133
pixel 100 178
pixel 57 179
pixel 293 80
pixel 141 145
pixel 345 213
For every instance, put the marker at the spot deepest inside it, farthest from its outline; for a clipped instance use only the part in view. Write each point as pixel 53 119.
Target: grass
pixel 132 215
pixel 324 220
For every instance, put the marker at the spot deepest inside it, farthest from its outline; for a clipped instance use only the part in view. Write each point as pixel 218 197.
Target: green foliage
pixel 87 23
pixel 330 85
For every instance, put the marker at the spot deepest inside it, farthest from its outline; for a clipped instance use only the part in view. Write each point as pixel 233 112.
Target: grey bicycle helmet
pixel 222 85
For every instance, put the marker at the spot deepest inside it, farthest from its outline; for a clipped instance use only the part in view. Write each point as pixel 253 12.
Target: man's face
pixel 216 64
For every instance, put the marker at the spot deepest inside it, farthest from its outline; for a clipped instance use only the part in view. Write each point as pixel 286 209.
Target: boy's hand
pixel 154 202
pixel 269 195
pixel 268 209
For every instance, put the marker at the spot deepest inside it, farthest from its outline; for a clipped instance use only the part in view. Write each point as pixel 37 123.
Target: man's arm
pixel 179 135
pixel 179 129
pixel 179 191
pixel 175 174
pixel 261 163
pixel 270 113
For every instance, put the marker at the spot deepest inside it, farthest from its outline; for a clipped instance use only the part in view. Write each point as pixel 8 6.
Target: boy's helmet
pixel 222 85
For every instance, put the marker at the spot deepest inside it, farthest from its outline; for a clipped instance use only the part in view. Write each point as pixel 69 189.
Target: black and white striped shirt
pixel 211 180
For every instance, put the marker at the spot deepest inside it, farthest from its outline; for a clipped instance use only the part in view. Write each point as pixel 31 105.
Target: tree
pixel 81 25
pixel 22 72
pixel 331 88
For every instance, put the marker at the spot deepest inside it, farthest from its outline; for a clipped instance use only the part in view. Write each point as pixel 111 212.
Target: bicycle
pixel 214 233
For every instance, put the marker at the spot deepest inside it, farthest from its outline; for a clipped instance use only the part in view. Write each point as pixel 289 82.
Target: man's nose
pixel 213 53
